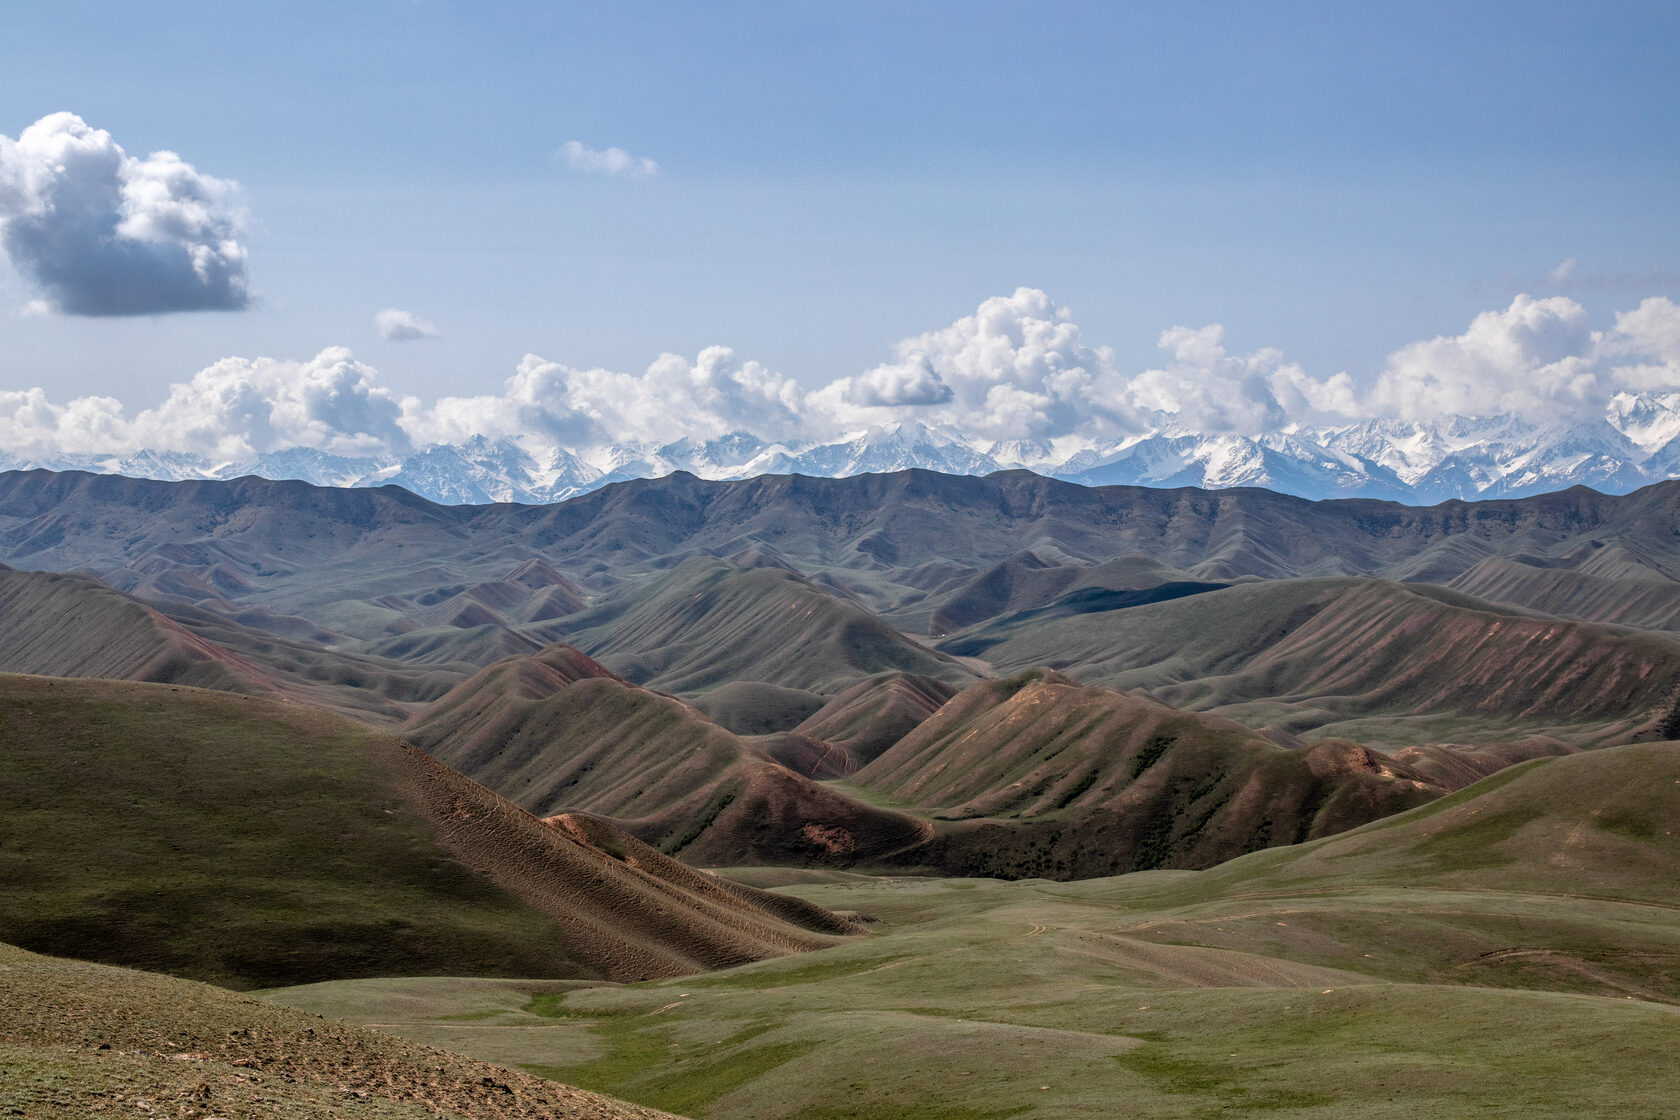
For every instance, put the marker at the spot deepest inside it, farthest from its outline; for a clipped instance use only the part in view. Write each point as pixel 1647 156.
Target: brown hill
pixel 711 621
pixel 1636 596
pixel 758 708
pixel 1043 776
pixel 1301 654
pixel 73 626
pixel 584 739
pixel 874 714
pixel 256 843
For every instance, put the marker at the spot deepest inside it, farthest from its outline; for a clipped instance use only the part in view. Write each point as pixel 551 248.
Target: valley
pixel 900 794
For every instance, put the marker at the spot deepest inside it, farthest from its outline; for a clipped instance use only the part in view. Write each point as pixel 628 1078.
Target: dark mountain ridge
pixel 278 530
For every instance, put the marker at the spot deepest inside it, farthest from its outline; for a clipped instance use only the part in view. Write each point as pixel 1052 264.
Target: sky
pixel 1246 214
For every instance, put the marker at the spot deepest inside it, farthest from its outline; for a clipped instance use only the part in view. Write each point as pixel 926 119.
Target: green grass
pixel 139 818
pixel 1348 977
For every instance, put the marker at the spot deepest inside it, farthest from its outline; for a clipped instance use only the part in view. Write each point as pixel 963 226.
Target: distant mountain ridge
pixel 1635 443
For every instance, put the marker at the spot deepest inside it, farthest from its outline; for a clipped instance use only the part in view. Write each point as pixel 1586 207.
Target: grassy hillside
pixel 1635 595
pixel 81 1039
pixel 72 626
pixel 1509 951
pixel 251 842
pixel 1308 654
pixel 1026 581
pixel 75 626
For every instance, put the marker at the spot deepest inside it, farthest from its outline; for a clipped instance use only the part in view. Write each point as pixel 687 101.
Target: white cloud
pixel 912 381
pixel 1564 269
pixel 103 233
pixel 232 410
pixel 1645 345
pixel 1535 360
pixel 1016 369
pixel 403 326
pixel 609 161
pixel 704 398
pixel 1207 389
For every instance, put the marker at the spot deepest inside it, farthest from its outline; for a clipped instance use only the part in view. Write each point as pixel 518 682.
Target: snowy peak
pixel 1636 442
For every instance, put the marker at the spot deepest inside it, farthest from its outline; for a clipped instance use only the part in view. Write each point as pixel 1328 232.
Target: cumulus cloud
pixel 609 161
pixel 1534 360
pixel 1644 346
pixel 707 397
pixel 1016 369
pixel 104 233
pixel 1205 388
pixel 230 411
pixel 909 382
pixel 1564 269
pixel 403 326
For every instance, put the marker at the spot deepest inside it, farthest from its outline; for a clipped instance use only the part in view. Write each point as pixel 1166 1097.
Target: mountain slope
pixel 711 622
pixel 1046 777
pixel 1312 653
pixel 72 626
pixel 560 732
pixel 874 714
pixel 253 842
pixel 75 626
pixel 368 563
pixel 1644 598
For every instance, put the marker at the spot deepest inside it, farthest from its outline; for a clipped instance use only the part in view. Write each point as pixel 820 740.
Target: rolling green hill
pixel 76 626
pixel 250 841
pixel 1508 951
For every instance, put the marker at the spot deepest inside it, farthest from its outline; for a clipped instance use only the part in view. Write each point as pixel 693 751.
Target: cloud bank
pixel 1017 369
pixel 610 161
pixel 103 233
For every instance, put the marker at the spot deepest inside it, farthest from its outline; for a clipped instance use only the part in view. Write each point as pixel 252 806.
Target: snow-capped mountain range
pixel 1635 443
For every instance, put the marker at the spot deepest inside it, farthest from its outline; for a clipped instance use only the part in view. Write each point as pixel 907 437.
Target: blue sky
pixel 1335 181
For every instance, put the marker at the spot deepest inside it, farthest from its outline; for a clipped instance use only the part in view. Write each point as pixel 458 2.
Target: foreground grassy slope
pixel 251 842
pixel 81 1039
pixel 1428 965
pixel 1321 654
